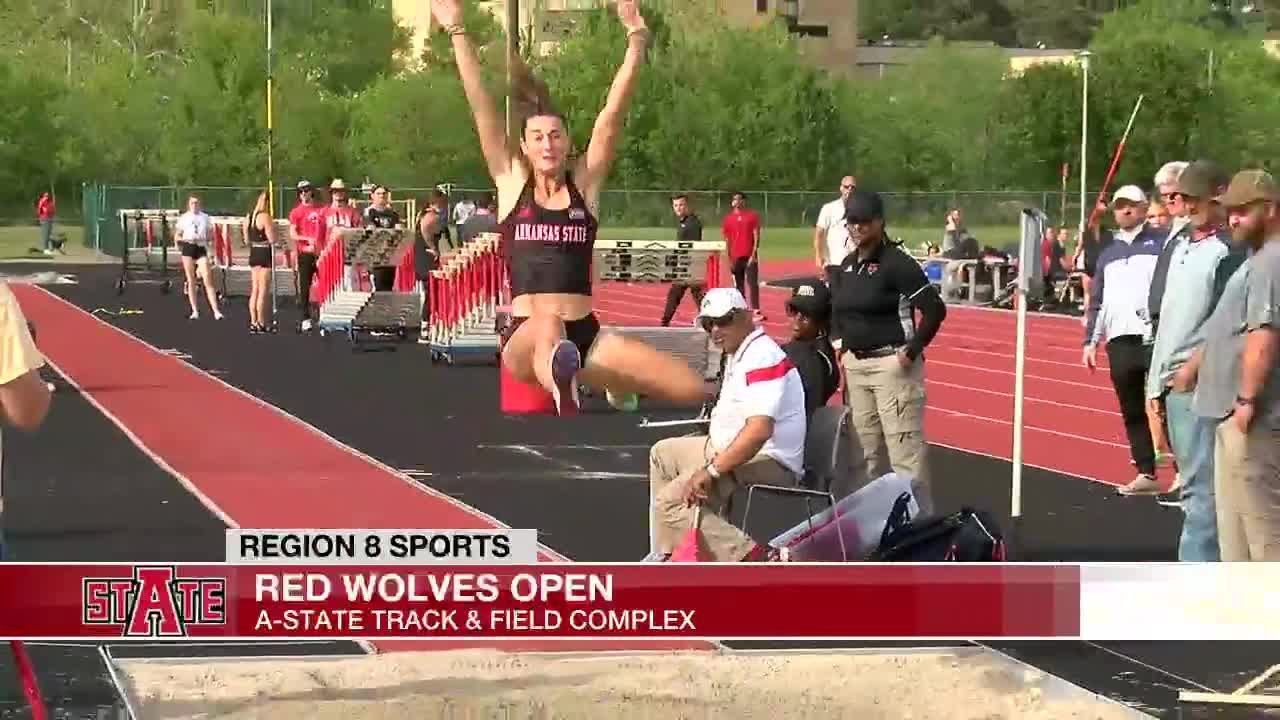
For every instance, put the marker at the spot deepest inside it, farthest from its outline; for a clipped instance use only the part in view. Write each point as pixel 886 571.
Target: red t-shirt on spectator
pixel 340 216
pixel 44 208
pixel 308 222
pixel 739 228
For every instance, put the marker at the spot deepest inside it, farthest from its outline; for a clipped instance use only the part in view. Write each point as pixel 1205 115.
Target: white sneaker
pixel 217 315
pixel 306 325
pixel 1141 485
pixel 195 315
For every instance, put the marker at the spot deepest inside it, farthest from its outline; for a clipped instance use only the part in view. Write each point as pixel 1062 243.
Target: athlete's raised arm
pixel 593 168
pixel 489 125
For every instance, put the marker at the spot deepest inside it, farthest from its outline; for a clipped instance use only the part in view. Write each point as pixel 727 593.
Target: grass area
pixel 22 242
pixel 790 243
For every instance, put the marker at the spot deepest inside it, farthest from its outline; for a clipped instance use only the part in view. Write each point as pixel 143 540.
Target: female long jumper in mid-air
pixel 548 226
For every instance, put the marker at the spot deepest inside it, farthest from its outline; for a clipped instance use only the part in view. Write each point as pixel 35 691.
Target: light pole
pixel 271 189
pixel 1084 56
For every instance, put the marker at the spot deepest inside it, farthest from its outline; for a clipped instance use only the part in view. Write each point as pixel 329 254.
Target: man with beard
pixel 1237 376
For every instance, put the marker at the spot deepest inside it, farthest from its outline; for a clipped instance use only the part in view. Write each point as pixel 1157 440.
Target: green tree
pixel 29 135
pixel 1056 23
pixel 988 20
pixel 214 119
pixel 413 130
pixel 1038 116
pixel 687 126
pixel 931 127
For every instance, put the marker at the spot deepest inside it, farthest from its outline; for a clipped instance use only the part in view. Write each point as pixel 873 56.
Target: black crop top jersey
pixel 549 251
pixel 257 236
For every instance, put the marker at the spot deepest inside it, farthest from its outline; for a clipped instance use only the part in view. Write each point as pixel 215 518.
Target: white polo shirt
pixel 759 379
pixel 194 227
pixel 831 219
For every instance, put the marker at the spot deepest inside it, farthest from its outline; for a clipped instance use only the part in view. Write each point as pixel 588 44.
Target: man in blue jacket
pixel 1117 313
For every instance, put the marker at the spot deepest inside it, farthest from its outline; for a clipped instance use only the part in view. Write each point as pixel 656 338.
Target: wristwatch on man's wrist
pixel 712 471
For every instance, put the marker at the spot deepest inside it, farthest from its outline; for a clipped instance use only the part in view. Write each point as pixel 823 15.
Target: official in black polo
pixel 688 229
pixel 873 307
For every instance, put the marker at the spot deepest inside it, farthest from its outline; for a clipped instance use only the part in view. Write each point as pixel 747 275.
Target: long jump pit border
pixel 958 683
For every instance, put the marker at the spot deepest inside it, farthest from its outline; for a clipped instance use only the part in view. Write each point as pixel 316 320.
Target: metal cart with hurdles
pixel 230 257
pixel 666 261
pixel 349 304
pixel 148 254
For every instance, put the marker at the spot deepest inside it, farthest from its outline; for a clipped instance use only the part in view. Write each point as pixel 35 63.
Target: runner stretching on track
pixel 549 213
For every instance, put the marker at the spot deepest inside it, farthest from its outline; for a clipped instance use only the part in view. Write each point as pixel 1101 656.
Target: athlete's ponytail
pixel 530 96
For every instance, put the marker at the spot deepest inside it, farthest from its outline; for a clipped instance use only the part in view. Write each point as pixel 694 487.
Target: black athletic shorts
pixel 581 332
pixel 192 250
pixel 260 256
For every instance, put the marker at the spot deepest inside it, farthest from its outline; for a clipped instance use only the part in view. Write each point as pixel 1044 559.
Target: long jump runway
pixel 272 446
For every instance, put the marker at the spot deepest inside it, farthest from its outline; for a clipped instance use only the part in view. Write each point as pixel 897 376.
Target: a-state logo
pixel 154 602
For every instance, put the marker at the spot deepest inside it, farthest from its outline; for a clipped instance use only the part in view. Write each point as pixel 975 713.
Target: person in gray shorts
pixel 1237 377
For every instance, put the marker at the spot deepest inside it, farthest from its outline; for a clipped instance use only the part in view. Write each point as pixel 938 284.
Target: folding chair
pixel 826 431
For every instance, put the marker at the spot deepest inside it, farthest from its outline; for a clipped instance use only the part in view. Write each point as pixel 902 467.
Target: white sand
pixel 960 685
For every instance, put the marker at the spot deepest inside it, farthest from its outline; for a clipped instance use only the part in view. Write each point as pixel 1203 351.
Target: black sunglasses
pixel 720 322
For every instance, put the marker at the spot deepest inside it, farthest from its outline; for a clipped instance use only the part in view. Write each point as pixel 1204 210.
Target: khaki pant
pixel 1247 481
pixel 671 463
pixel 886 405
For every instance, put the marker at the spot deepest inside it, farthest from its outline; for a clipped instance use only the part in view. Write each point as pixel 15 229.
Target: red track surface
pixel 1071 419
pixel 302 479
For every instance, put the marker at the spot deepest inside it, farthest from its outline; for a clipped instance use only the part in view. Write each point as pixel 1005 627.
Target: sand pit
pixel 958 685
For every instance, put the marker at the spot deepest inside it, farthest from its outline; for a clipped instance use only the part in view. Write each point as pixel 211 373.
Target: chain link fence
pixel 619 209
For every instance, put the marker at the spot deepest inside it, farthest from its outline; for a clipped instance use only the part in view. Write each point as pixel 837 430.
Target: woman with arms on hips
pixel 548 208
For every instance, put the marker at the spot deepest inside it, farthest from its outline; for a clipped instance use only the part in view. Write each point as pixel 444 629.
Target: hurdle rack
pixel 666 261
pixel 148 245
pixel 658 260
pixel 346 298
pixel 466 291
pixel 230 258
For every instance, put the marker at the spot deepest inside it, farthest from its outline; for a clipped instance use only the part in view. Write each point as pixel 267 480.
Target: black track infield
pixel 79 490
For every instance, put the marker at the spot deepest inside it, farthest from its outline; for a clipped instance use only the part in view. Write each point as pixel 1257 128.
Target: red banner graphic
pixel 64 601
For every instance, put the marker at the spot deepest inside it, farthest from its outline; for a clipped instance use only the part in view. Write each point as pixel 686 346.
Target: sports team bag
pixel 965 536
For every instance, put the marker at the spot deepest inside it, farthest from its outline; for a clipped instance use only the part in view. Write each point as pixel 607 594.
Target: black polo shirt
pixel 815 360
pixel 383 218
pixel 872 300
pixel 688 228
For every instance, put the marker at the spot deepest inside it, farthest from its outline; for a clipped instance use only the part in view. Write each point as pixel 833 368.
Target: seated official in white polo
pixel 756 436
